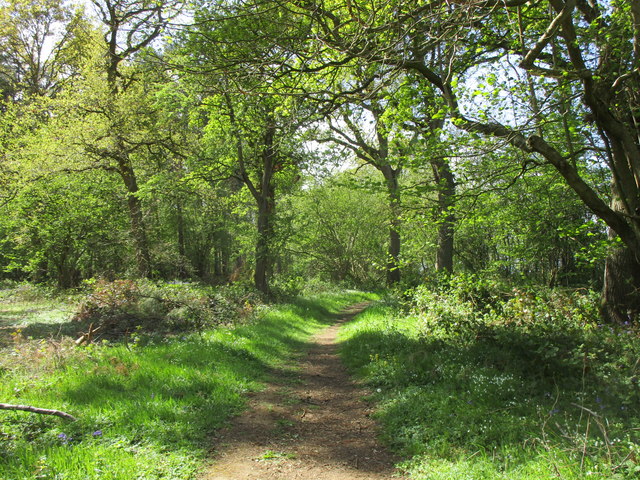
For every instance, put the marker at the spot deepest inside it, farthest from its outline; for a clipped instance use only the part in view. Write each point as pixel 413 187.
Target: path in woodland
pixel 310 423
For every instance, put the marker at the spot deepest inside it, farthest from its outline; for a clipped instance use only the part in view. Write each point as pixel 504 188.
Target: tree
pixel 129 27
pixel 257 152
pixel 111 98
pixel 248 115
pixel 43 45
pixel 592 49
pixel 363 124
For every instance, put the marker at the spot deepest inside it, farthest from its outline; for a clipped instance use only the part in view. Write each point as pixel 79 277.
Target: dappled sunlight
pixel 501 402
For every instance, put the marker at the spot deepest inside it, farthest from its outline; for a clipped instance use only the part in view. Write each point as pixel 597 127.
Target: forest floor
pixel 311 422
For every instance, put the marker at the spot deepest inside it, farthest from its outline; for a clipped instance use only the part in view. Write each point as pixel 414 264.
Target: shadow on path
pixel 312 422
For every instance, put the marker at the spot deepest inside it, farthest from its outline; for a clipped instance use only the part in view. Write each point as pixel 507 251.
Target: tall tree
pixel 43 43
pixel 249 110
pixel 364 125
pixel 129 27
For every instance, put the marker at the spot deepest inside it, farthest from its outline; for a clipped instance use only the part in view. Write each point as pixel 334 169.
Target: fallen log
pixel 42 411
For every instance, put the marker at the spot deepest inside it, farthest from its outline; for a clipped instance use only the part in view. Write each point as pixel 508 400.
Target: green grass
pixel 28 313
pixel 147 408
pixel 494 400
pixel 37 317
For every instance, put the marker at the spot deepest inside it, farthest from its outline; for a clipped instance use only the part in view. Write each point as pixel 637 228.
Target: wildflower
pixel 97 433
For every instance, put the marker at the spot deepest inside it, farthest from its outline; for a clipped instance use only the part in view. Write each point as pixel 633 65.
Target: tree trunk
pixel 263 253
pixel 138 231
pixel 445 217
pixel 620 298
pixel 182 271
pixel 265 199
pixel 620 293
pixel 393 191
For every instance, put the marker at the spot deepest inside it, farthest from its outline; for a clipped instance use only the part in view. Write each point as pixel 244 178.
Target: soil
pixel 312 422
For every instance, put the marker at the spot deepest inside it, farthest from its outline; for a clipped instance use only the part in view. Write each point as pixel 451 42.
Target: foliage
pixel 55 231
pixel 526 224
pixel 122 306
pixel 497 382
pixel 183 155
pixel 339 233
pixel 43 45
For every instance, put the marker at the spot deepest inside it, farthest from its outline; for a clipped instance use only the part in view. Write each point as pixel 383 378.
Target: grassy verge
pixel 146 407
pixel 508 395
pixel 36 312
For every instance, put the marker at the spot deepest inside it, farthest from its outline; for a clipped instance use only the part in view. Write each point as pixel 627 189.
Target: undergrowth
pixel 120 305
pixel 480 381
pixel 147 404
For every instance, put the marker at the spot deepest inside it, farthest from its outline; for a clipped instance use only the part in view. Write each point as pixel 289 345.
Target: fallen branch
pixel 42 411
pixel 88 337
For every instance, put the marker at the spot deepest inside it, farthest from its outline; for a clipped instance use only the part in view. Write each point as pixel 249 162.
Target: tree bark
pixel 445 216
pixel 393 192
pixel 138 231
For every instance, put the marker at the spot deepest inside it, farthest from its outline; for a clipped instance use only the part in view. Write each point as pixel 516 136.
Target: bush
pixel 124 305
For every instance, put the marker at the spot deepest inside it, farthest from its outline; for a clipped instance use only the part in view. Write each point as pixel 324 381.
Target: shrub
pixel 124 305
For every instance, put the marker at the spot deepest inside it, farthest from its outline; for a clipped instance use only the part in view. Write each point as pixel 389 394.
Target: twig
pixel 42 411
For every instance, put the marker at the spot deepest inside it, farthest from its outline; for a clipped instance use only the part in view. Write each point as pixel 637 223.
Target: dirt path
pixel 309 424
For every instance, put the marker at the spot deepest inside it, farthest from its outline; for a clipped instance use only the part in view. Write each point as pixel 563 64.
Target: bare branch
pixel 551 31
pixel 41 411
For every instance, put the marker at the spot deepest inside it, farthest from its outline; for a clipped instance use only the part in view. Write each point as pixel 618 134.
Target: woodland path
pixel 312 422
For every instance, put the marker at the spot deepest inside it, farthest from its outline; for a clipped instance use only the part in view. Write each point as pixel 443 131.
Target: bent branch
pixel 41 411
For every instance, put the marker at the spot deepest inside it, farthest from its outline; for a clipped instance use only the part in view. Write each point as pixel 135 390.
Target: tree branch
pixel 542 42
pixel 41 411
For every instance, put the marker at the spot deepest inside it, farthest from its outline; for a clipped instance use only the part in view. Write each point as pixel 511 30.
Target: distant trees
pixel 43 44
pixel 340 232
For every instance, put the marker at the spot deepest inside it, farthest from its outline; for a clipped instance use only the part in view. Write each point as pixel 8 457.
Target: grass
pixel 35 311
pixel 146 408
pixel 496 398
pixel 271 455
